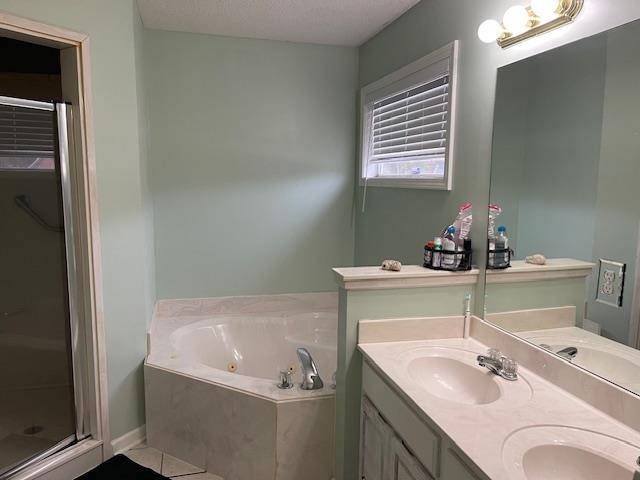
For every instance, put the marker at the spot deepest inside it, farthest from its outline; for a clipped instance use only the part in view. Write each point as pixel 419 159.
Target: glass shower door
pixel 37 395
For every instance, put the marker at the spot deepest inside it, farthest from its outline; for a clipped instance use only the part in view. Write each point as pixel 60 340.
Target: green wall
pixel 124 235
pixel 397 222
pixel 252 147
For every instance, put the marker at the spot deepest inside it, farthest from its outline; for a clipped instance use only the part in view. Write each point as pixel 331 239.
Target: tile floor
pixel 167 465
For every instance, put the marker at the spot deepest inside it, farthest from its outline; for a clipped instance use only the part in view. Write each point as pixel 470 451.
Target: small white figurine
pixel 393 265
pixel 537 259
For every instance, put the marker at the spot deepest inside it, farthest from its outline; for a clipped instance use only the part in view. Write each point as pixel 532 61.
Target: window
pixel 407 123
pixel 27 139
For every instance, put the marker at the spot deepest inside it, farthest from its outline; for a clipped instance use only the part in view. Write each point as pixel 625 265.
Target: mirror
pixel 566 174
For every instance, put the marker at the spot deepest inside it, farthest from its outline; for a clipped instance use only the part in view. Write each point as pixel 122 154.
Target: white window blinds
pixel 26 132
pixel 27 138
pixel 411 124
pixel 406 122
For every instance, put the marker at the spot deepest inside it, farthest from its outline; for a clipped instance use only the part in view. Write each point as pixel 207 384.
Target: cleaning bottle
pixel 449 244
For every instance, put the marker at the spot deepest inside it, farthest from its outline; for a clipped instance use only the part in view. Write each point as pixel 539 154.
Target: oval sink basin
pixel 454 380
pixel 567 453
pixel 568 462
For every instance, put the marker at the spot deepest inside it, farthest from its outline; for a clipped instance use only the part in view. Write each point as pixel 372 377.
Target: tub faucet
pixel 310 377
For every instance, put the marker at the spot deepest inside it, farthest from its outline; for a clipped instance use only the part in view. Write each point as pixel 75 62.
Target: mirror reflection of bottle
pixel 466 255
pixel 501 245
pixel 428 253
pixel 436 260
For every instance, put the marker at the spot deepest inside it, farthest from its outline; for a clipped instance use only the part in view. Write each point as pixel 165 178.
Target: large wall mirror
pixel 566 175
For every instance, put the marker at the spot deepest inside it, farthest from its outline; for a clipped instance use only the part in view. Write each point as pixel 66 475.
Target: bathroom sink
pixel 454 380
pixel 452 376
pixel 567 453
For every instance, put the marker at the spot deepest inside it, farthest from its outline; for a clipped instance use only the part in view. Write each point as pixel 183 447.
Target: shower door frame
pixel 76 88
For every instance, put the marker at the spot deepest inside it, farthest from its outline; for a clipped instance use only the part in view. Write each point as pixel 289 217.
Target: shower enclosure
pixel 42 386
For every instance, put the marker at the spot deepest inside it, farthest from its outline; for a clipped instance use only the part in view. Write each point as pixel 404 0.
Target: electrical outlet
pixel 610 283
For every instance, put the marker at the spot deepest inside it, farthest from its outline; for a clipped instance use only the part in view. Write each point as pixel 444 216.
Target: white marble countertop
pixel 411 276
pixel 480 431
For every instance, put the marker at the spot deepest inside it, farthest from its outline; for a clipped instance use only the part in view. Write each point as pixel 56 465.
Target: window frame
pixel 449 51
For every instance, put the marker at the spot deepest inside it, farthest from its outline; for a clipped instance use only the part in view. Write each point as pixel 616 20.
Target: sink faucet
pixel 569 353
pixel 310 377
pixel 497 363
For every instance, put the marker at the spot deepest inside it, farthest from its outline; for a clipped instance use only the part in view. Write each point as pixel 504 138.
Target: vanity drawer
pixel 423 442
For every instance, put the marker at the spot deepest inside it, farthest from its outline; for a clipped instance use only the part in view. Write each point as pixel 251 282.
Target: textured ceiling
pixel 329 22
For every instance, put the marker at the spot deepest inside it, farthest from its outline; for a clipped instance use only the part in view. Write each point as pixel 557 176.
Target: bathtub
pixel 210 385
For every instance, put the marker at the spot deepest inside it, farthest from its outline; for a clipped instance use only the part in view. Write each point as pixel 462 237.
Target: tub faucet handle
pixel 285 381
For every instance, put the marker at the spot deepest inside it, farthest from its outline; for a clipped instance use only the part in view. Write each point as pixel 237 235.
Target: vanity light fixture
pixel 520 23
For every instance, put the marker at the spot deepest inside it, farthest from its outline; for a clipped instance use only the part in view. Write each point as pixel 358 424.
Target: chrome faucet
pixel 500 365
pixel 568 353
pixel 310 377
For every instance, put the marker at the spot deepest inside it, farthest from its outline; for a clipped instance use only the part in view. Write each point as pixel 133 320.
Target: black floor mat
pixel 121 468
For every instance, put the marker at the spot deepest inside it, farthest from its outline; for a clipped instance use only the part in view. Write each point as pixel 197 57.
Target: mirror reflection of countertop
pixel 521 271
pixel 602 356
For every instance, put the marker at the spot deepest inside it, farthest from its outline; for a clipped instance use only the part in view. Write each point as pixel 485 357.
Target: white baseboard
pixel 129 440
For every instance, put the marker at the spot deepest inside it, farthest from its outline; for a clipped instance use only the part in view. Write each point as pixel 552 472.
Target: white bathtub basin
pixel 239 346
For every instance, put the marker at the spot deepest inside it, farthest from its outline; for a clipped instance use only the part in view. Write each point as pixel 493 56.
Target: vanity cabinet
pixel 403 465
pixel 383 455
pixel 375 442
pixel 397 444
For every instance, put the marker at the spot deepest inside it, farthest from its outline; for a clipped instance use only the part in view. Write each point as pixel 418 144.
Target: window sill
pixel 418 183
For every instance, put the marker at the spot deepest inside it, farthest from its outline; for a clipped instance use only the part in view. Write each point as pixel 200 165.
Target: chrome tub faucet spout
pixel 310 377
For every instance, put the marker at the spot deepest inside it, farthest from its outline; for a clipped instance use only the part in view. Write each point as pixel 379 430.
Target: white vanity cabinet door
pixel 375 439
pixel 454 468
pixel 403 465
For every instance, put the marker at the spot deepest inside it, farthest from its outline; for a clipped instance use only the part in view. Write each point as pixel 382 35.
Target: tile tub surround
pixel 250 304
pixel 239 426
pixel 237 435
pixel 546 404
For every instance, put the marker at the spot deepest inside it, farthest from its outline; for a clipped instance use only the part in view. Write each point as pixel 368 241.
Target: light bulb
pixel 489 31
pixel 516 19
pixel 545 8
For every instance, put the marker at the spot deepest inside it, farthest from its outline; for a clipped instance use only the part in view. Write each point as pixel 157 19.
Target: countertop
pixel 480 431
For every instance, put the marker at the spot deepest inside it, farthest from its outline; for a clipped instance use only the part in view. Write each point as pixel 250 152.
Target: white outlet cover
pixel 610 283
